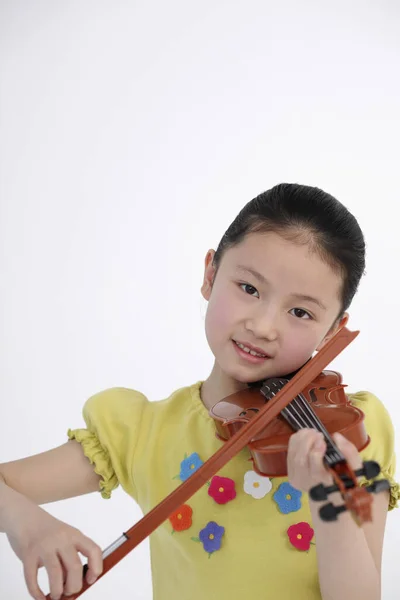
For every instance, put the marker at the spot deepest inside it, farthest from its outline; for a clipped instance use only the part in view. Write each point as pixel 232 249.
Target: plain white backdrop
pixel 131 134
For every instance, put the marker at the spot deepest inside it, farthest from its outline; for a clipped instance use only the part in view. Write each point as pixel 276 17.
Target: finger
pixel 349 451
pixel 300 445
pixel 55 575
pixel 72 567
pixel 94 555
pixel 316 460
pixel 31 566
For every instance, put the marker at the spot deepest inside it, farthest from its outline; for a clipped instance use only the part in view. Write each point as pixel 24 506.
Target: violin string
pixel 302 416
pixel 301 422
pixel 301 403
pixel 332 447
pixel 309 419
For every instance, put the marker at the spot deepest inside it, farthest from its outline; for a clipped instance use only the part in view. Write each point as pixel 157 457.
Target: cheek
pixel 300 346
pixel 219 316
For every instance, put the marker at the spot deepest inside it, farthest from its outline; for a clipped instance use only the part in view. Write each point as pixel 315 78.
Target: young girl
pixel 278 287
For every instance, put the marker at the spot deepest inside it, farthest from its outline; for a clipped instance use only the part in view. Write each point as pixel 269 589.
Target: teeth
pixel 243 347
pixel 252 352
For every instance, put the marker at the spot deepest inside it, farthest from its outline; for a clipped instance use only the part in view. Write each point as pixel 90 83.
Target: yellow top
pixel 241 535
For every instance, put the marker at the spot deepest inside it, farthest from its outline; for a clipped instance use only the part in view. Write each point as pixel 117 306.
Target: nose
pixel 263 324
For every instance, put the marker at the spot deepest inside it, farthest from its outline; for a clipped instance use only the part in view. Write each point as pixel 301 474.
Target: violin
pixel 322 405
pixel 263 419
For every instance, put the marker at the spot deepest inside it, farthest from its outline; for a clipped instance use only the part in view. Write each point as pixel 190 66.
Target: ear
pixel 209 274
pixel 337 326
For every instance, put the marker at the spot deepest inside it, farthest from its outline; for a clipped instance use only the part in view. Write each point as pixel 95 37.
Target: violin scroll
pixel 357 499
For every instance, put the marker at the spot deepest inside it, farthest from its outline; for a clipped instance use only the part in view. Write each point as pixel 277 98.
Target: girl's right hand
pixel 41 540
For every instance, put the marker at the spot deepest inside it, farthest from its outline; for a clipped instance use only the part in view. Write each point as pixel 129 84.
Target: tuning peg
pixel 369 470
pixel 379 486
pixel 321 492
pixel 330 512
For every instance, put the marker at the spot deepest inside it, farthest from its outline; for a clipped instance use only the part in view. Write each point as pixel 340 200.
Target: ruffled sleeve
pixel 381 448
pixel 113 418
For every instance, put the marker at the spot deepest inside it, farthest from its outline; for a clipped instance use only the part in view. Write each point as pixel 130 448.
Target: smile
pixel 252 352
pixel 249 351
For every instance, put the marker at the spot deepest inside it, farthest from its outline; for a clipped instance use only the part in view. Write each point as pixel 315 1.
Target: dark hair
pixel 307 215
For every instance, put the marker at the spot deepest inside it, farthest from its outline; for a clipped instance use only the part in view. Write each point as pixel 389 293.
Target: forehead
pixel 290 264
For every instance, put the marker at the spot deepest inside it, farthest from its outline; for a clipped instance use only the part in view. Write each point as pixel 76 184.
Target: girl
pixel 278 287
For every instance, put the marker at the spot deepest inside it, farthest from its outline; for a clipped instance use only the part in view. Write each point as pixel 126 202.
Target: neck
pixel 218 385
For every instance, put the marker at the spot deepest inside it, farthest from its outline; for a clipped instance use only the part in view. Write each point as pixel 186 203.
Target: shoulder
pixel 114 403
pixel 377 419
pixel 380 429
pixel 124 405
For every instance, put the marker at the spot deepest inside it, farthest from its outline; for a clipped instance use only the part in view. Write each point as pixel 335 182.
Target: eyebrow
pixel 263 280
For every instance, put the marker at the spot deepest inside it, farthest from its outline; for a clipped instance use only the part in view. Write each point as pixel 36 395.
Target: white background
pixel 131 134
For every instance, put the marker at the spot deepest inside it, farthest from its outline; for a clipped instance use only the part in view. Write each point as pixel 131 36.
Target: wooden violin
pixel 321 405
pixel 263 419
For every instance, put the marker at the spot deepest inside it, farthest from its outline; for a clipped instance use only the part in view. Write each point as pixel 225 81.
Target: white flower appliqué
pixel 255 485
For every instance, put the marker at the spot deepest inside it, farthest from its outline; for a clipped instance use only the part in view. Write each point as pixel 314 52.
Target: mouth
pixel 250 353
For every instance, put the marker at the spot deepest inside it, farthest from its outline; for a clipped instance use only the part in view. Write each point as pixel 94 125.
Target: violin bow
pixel 160 513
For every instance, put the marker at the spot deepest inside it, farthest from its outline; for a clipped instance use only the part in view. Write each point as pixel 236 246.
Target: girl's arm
pixel 38 538
pixel 63 472
pixel 348 555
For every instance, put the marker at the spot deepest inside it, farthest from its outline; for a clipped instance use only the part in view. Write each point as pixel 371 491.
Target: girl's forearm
pixel 345 564
pixel 10 500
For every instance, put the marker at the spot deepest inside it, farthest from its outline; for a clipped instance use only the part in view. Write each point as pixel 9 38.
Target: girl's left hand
pixel 305 458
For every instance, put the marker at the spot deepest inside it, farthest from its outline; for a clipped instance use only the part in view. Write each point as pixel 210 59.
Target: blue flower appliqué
pixel 287 498
pixel 211 537
pixel 189 466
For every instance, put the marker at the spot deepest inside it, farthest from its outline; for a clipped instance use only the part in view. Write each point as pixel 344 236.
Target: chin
pixel 241 376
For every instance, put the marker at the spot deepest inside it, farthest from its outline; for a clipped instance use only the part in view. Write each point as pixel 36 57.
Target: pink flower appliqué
pixel 222 489
pixel 300 535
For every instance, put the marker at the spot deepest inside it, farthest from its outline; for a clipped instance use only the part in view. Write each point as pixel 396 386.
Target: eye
pixel 249 289
pixel 300 313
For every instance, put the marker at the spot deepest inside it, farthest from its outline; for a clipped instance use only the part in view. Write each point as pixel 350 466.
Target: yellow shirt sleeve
pixel 380 428
pixel 113 419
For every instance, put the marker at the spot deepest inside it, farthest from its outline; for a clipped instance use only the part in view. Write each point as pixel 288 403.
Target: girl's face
pixel 273 297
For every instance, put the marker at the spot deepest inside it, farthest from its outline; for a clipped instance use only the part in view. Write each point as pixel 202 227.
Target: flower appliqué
pixel 211 537
pixel 287 498
pixel 256 485
pixel 181 519
pixel 300 535
pixel 189 465
pixel 222 489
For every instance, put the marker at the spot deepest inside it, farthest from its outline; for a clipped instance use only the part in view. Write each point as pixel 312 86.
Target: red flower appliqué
pixel 181 519
pixel 222 489
pixel 300 535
